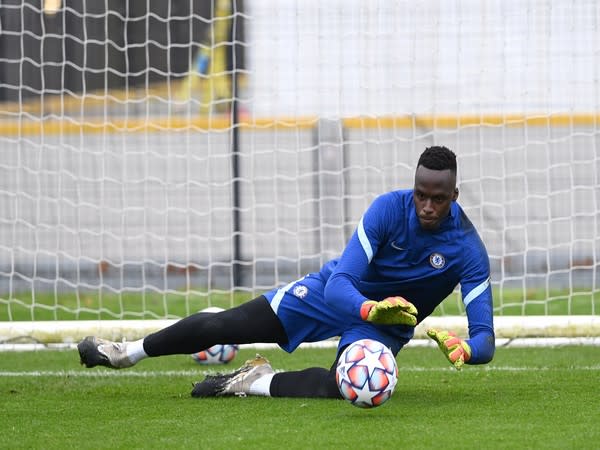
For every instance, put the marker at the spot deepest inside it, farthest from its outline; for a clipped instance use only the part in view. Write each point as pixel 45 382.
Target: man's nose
pixel 427 206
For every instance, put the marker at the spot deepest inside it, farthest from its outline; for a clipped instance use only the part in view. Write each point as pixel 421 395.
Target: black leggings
pixel 249 323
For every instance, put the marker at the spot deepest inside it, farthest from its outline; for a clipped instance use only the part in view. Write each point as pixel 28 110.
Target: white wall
pixel 356 57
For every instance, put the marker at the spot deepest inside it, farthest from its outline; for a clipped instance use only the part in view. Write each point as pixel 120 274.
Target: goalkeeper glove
pixel 454 348
pixel 390 311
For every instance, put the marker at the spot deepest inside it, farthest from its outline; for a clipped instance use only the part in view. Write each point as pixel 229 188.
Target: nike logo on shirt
pixel 397 247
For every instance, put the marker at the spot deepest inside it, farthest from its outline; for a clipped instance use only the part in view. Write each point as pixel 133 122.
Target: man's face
pixel 434 192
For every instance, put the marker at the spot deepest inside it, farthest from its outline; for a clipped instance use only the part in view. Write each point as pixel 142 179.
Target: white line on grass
pixel 198 373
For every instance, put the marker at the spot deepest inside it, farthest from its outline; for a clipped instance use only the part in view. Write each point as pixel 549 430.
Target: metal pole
pixel 235 168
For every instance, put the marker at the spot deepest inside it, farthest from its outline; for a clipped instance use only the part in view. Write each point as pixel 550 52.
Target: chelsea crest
pixel 437 261
pixel 300 291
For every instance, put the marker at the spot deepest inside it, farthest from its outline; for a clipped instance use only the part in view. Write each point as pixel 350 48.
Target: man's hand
pixel 391 311
pixel 454 348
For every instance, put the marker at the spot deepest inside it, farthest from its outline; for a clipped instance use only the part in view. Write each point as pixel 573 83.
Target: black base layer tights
pixel 249 323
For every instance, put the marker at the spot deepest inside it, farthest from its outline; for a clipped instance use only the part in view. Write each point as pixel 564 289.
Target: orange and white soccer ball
pixel 217 354
pixel 367 373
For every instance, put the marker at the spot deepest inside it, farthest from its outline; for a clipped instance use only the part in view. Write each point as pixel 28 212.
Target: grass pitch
pixel 101 305
pixel 526 398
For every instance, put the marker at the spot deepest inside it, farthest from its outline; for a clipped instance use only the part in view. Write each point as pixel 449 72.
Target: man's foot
pixel 94 351
pixel 235 383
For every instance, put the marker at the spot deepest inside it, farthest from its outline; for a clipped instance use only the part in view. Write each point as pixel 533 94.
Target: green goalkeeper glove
pixel 454 348
pixel 390 311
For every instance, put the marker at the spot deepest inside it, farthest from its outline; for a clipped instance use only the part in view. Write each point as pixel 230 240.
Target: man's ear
pixel 455 196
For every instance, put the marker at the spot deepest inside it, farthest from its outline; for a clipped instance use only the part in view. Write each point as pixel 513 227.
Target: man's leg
pixel 306 319
pixel 314 382
pixel 250 322
pixel 256 377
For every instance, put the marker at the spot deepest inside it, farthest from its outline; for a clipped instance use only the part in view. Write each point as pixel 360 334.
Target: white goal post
pixel 162 158
pixel 574 329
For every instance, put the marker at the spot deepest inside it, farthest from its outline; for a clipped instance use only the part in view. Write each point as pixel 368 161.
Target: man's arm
pixel 341 291
pixel 481 327
pixel 480 347
pixel 476 290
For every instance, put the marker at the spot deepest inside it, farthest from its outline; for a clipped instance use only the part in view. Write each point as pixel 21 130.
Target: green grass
pixel 93 305
pixel 526 398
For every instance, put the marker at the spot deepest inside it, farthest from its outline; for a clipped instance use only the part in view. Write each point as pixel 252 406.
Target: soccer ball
pixel 366 373
pixel 217 354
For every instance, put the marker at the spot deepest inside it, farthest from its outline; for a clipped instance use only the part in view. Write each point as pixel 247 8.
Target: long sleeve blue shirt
pixel 389 254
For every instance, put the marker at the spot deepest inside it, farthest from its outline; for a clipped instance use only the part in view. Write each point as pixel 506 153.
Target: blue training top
pixel 389 254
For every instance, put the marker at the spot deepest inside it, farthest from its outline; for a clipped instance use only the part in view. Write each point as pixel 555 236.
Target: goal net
pixel 160 158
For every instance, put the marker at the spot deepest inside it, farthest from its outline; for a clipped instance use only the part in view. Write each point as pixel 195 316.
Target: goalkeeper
pixel 410 250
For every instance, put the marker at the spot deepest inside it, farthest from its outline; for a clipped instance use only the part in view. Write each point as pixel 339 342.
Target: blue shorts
pixel 305 316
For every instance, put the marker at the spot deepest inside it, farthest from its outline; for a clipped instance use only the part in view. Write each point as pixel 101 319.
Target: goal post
pixel 163 159
pixel 574 329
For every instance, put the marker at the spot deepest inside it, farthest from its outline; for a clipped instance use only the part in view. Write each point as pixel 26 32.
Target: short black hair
pixel 438 158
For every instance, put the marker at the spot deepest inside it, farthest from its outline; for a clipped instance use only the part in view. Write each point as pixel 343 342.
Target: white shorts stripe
pixel 279 295
pixel 475 292
pixel 364 240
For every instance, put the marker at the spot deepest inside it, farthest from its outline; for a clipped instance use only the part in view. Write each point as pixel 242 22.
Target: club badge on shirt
pixel 437 261
pixel 300 291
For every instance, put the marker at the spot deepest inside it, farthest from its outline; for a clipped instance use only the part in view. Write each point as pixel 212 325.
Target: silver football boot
pixel 94 351
pixel 235 383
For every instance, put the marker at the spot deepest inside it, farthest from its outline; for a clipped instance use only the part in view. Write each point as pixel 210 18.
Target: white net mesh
pixel 159 156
